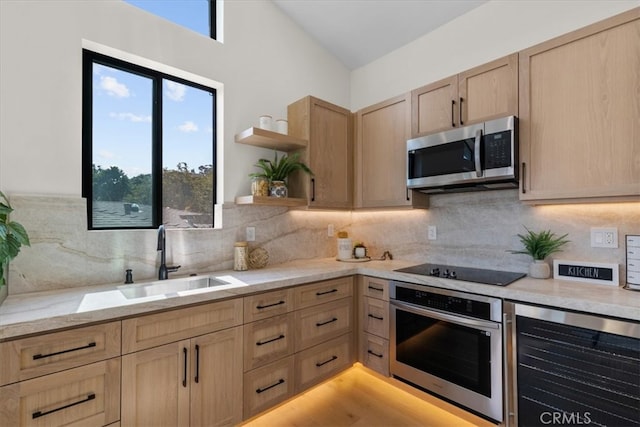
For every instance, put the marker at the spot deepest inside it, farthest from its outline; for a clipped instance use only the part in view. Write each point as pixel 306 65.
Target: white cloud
pixel 131 117
pixel 175 91
pixel 188 126
pixel 106 154
pixel 113 88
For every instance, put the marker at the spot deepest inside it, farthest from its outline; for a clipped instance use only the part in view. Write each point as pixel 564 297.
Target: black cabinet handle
pixel 375 354
pixel 453 105
pixel 326 361
pixel 524 176
pixel 460 109
pixel 373 288
pixel 327 322
pixel 184 376
pixel 261 390
pixel 313 189
pixel 42 356
pixel 197 377
pixel 271 340
pixel 376 317
pixel 408 195
pixel 326 292
pixel 39 414
pixel 260 307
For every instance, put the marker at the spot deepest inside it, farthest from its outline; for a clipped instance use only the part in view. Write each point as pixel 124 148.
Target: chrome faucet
pixel 163 272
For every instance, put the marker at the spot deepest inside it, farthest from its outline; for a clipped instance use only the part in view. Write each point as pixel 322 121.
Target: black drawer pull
pixel 261 390
pixel 39 414
pixel 376 317
pixel 42 356
pixel 260 307
pixel 197 377
pixel 373 288
pixel 184 376
pixel 271 340
pixel 327 322
pixel 326 292
pixel 326 361
pixel 375 354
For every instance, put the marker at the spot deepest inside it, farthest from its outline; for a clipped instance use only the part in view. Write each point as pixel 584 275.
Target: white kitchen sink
pixel 172 287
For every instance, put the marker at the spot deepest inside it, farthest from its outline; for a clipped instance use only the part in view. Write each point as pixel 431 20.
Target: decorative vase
pixel 539 269
pixel 360 252
pixel 278 189
pixel 259 186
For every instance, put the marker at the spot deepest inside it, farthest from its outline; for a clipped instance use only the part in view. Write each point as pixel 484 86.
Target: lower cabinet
pixel 318 363
pixel 267 386
pixel 373 334
pixel 190 382
pixel 85 396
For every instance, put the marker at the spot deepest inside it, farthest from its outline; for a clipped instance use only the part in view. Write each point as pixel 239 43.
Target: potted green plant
pixel 540 245
pixel 277 172
pixel 12 237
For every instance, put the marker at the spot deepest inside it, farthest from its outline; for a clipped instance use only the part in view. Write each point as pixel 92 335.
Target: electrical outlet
pixel 251 234
pixel 330 230
pixel 604 237
pixel 432 233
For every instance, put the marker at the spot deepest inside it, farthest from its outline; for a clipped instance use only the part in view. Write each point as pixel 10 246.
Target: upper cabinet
pixel 329 130
pixel 382 131
pixel 482 93
pixel 580 114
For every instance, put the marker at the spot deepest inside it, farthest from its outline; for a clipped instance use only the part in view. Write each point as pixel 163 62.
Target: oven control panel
pixel 450 304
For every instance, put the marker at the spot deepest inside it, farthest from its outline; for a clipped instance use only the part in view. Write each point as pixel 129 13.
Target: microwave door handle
pixel 476 153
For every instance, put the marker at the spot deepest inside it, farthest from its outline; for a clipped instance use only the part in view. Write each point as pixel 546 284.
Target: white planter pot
pixel 539 270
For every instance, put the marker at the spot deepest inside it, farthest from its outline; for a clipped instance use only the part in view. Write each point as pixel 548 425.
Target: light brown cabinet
pixel 373 333
pixel 329 130
pixel 580 114
pixel 482 93
pixel 382 131
pixel 184 367
pixel 268 385
pixel 268 340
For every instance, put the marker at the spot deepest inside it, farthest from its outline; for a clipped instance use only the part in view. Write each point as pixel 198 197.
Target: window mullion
pixel 157 151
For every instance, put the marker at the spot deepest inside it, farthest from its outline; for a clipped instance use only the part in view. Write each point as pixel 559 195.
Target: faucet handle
pixel 173 268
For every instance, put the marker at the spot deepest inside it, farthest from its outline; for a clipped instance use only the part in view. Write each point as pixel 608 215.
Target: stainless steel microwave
pixel 474 157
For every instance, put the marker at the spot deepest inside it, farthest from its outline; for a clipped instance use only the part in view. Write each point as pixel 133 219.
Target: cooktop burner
pixel 477 275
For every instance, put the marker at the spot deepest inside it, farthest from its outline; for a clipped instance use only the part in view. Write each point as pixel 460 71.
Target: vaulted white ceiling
pixel 360 31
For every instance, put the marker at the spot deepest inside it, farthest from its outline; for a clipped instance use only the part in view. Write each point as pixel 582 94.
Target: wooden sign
pixel 589 272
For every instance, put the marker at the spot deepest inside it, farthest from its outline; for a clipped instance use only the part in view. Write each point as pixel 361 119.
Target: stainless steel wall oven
pixel 450 344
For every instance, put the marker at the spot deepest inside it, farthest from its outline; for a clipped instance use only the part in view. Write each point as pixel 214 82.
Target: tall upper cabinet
pixel 329 130
pixel 482 93
pixel 580 114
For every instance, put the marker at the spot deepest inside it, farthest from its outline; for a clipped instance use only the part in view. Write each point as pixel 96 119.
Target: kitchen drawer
pixel 633 252
pixel 268 304
pixel 374 353
pixel 322 361
pixel 321 323
pixel 375 317
pixel 375 288
pixel 321 292
pixel 267 386
pixel 84 396
pixel 45 354
pixel 268 340
pixel 156 329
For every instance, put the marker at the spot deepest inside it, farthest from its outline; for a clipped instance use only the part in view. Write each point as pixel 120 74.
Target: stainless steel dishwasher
pixel 572 368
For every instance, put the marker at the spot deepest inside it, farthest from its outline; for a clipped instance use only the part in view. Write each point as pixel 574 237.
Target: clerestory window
pixel 197 15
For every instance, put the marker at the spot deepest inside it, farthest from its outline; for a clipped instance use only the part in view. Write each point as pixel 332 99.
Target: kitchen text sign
pixel 590 272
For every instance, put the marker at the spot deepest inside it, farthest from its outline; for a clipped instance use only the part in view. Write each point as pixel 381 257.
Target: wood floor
pixel 357 397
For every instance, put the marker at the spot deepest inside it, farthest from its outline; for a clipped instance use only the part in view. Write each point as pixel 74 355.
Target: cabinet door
pixel 84 396
pixel 579 114
pixel 434 107
pixel 323 322
pixel 155 386
pixel 267 386
pixel 375 317
pixel 321 292
pixel 268 340
pixel 374 353
pixel 216 378
pixel 267 304
pixel 375 287
pixel 329 130
pixel 322 361
pixel 381 156
pixel 489 91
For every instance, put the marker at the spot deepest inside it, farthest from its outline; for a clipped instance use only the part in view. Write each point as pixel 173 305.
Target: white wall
pixel 265 63
pixel 493 30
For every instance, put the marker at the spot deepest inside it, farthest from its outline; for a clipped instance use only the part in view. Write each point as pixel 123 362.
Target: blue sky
pixel 122 107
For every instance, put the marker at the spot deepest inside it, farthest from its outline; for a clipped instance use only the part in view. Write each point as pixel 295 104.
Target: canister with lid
pixel 241 256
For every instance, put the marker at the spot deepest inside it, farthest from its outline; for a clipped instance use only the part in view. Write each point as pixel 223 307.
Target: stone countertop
pixel 38 312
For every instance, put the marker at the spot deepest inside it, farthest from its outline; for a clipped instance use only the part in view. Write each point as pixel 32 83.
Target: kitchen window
pixel 148 147
pixel 197 15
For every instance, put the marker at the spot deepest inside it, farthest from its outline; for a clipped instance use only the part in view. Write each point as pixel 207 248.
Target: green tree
pixel 109 184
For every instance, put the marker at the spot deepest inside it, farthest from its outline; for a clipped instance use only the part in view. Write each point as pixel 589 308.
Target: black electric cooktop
pixel 477 275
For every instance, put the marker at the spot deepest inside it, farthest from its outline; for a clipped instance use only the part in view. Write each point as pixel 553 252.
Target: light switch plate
pixel 432 233
pixel 251 234
pixel 604 237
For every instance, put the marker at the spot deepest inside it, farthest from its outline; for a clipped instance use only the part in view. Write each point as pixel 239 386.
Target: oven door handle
pixel 459 320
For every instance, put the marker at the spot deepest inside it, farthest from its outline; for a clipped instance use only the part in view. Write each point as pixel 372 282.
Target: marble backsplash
pixel 475 229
